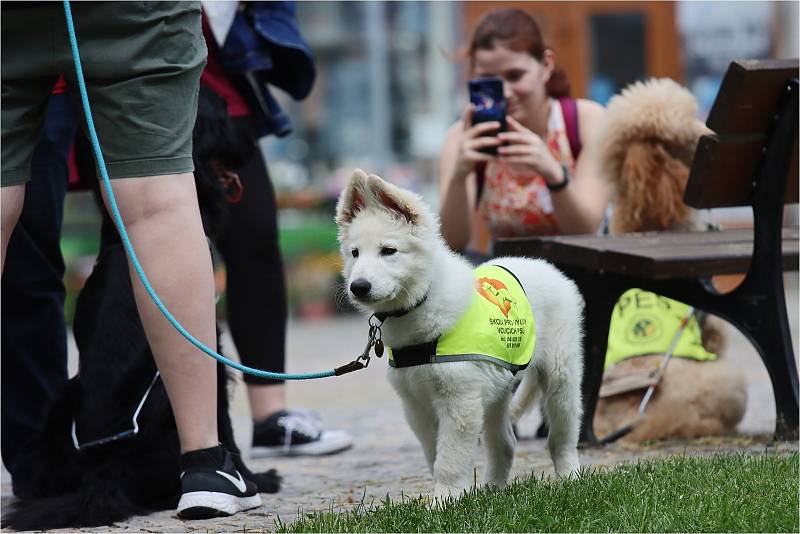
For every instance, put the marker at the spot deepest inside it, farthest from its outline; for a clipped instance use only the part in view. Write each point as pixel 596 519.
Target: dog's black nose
pixel 360 287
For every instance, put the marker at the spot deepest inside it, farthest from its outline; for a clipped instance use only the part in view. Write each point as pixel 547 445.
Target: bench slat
pixel 742 116
pixel 654 255
pixel 691 261
pixel 642 239
pixel 749 95
pixel 737 160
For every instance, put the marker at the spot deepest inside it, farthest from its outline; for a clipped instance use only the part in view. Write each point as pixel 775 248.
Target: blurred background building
pixel 390 83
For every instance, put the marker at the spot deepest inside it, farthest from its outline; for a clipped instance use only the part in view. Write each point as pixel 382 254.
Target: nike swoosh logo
pixel 238 482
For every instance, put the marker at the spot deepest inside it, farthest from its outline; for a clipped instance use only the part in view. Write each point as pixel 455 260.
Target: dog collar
pixel 399 313
pixel 374 340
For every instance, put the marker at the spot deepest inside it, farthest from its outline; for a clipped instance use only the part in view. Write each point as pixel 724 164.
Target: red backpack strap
pixel 569 108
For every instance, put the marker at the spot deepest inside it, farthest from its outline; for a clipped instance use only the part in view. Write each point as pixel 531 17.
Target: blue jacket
pixel 265 47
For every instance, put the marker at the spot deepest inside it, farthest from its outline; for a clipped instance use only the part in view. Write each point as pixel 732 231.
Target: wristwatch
pixel 562 184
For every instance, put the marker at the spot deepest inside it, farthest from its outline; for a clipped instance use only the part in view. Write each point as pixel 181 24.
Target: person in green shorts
pixel 142 63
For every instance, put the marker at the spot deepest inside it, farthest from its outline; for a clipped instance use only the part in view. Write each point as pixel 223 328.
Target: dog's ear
pixel 394 199
pixel 352 200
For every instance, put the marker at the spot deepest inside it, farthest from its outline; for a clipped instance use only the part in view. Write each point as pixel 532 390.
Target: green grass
pixel 724 493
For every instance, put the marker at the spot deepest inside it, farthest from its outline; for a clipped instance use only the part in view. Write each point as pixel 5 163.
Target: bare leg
pixel 12 200
pixel 162 217
pixel 266 400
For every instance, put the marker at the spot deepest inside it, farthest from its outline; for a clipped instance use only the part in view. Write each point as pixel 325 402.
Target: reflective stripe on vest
pixel 645 323
pixel 498 326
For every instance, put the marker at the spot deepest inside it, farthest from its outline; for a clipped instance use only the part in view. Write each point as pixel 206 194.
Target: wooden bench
pixel 749 161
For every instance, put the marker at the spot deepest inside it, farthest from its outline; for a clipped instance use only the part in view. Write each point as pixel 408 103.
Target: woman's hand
pixel 521 146
pixel 473 139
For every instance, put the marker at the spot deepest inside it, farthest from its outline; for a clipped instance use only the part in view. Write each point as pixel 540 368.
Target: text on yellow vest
pixel 498 326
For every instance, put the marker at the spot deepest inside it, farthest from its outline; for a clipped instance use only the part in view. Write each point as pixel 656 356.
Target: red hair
pixel 518 31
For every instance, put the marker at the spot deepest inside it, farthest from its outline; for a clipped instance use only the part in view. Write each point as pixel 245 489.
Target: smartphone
pixel 486 94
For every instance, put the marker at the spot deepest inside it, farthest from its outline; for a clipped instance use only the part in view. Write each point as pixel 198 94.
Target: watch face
pixel 563 183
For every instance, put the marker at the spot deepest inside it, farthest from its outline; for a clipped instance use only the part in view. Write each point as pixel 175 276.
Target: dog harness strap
pixel 423 354
pixel 514 276
pixel 644 323
pixel 413 354
pixel 497 327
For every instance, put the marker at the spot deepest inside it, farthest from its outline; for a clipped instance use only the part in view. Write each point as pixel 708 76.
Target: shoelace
pixel 300 422
pixel 309 414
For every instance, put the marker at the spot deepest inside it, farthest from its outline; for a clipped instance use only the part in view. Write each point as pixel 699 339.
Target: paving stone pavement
pixel 386 459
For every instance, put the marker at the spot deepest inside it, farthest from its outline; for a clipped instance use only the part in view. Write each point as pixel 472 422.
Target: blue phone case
pixel 486 94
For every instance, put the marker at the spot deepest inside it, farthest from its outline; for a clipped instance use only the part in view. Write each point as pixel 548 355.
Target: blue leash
pixel 352 366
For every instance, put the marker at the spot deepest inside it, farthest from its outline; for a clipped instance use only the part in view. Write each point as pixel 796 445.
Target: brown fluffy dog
pixel 650 135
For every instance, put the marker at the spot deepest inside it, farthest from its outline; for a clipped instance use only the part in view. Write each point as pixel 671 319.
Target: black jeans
pixel 34 340
pixel 256 285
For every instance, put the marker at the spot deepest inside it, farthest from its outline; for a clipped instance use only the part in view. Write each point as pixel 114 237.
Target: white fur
pixel 448 405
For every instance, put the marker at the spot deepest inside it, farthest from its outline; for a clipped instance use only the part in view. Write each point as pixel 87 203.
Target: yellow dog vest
pixel 498 327
pixel 645 323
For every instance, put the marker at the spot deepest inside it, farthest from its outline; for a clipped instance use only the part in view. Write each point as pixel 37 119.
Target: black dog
pixel 117 473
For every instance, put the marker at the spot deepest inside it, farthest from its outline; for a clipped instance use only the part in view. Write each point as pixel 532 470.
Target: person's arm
pixel 579 207
pixel 456 194
pixel 457 187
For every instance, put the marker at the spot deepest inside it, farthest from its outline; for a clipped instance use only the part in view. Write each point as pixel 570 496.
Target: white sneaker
pixel 296 433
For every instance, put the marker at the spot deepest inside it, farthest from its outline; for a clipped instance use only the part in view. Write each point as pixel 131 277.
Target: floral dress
pixel 515 201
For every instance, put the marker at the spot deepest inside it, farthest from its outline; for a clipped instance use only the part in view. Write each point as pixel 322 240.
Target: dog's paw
pixel 443 493
pixel 427 500
pixel 566 463
pixel 494 482
pixel 567 470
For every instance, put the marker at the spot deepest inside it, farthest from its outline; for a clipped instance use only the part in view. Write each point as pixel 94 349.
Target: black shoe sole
pixel 201 512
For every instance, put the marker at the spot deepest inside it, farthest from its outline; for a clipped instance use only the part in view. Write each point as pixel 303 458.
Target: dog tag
pixel 379 348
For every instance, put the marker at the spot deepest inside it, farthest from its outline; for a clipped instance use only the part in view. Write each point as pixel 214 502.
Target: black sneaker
pixel 297 433
pixel 212 487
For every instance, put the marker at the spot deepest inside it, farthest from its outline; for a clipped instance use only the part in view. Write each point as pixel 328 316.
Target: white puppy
pixel 453 387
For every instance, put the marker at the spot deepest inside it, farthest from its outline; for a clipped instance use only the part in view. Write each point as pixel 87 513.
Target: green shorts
pixel 141 62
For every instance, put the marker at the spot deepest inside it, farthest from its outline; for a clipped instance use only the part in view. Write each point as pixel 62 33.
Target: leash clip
pixel 374 340
pixel 375 336
pixel 356 365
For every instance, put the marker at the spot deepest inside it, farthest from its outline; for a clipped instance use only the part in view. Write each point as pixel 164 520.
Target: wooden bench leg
pixel 600 297
pixel 764 321
pixel 772 343
pixel 757 308
pixel 762 294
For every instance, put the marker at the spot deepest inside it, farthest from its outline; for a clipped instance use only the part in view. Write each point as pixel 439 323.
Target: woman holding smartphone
pixel 543 178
